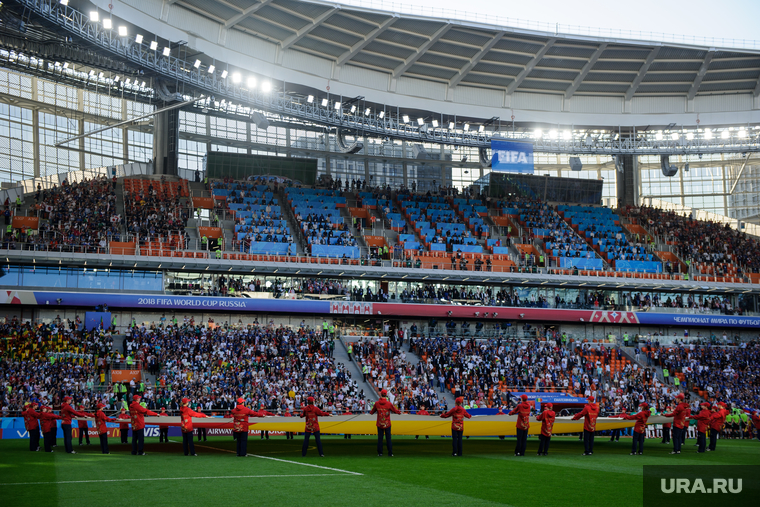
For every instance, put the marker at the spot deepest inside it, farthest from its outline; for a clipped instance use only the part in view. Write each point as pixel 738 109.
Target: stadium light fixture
pixel 250 83
pixel 127 81
pixel 366 112
pixel 224 74
pixel 138 38
pixel 325 102
pixel 167 51
pixel 64 2
pixel 674 136
pixel 236 78
pixel 742 133
pixel 266 86
pixel 466 127
pixel 690 136
pixel 91 73
pixel 382 114
pixel 310 99
pixel 153 45
pixel 116 79
pixel 552 134
pixel 708 134
pixel 567 135
pixel 482 129
pixel 122 31
pixel 107 23
pixel 211 69
pixel 100 75
pixel 94 16
pixel 405 118
pixel 538 134
pixel 353 109
pixel 420 121
pixel 725 134
pixel 197 63
pixel 658 135
pixel 337 106
pixel 142 85
pixel 435 124
pixel 65 65
pixel 452 125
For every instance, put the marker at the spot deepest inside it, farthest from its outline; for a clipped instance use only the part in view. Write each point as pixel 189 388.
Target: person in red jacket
pixel 523 424
pixel 703 422
pixel 457 414
pixel 32 425
pixel 83 426
pixel 100 423
pixel 679 417
pixel 547 425
pixel 123 426
pixel 383 409
pixel 67 412
pixel 590 413
pixel 265 413
pixel 137 412
pixel 163 429
pixel 240 425
pixel 716 424
pixel 756 422
pixel 347 411
pixel 49 426
pixel 311 412
pixel 186 415
pixel 640 428
pixel 422 411
pixel 288 434
pixel 666 427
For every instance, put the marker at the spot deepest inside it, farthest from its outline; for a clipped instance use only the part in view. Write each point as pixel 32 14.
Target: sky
pixel 733 19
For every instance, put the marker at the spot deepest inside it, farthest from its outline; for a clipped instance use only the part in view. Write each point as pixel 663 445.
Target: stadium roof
pixel 462 53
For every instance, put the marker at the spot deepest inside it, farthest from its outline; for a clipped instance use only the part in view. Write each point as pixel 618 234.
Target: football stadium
pixel 388 256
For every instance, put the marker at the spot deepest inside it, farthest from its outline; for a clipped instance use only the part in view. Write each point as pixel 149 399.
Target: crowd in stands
pixel 699 241
pixel 156 213
pixel 728 374
pixel 51 361
pixel 272 368
pixel 79 215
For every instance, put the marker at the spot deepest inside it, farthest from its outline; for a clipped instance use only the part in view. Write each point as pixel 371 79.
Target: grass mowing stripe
pixel 172 479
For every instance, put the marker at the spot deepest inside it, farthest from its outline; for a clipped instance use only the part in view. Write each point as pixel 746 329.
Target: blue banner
pixel 509 156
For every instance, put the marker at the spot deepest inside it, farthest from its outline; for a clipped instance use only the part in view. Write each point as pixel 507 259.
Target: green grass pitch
pixel 422 472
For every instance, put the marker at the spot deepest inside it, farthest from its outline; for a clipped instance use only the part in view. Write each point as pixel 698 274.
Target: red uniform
pixel 311 413
pixel 383 409
pixel 716 420
pixel 590 413
pixel 640 418
pixel 67 413
pixel 138 413
pixel 124 425
pixel 81 423
pixel 756 421
pixel 457 415
pixel 703 420
pixel 422 411
pixel 186 415
pixel 100 421
pixel 679 415
pixel 30 419
pixel 523 415
pixel 240 416
pixel 547 422
pixel 48 421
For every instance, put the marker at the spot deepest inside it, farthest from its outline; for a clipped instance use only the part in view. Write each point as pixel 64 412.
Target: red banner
pixel 122 248
pixel 125 375
pixel 24 222
pixel 203 202
pixel 210 232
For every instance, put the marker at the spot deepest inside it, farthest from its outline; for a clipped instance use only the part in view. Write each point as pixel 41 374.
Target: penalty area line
pixel 173 479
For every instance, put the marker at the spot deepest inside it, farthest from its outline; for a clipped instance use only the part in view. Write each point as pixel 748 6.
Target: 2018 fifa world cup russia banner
pixel 510 156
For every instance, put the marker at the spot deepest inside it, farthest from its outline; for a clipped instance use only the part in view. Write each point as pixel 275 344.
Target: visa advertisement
pixel 512 157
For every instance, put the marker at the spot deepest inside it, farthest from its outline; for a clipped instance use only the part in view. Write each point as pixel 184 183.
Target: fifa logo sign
pixel 725 486
pixel 512 157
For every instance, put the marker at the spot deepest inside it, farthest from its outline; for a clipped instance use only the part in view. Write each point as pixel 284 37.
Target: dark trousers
pixel 49 440
pixel 187 442
pixel 34 439
pixel 288 435
pixel 242 442
pixel 124 433
pixel 684 432
pixel 713 438
pixel 308 435
pixel 522 442
pixel 264 434
pixel 615 435
pixel 677 439
pixel 665 435
pixel 103 443
pixel 701 441
pixel 202 432
pixel 543 444
pixel 138 441
pixel 456 442
pixel 84 433
pixel 163 435
pixel 588 441
pixel 67 437
pixel 387 433
pixel 758 433
pixel 638 440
